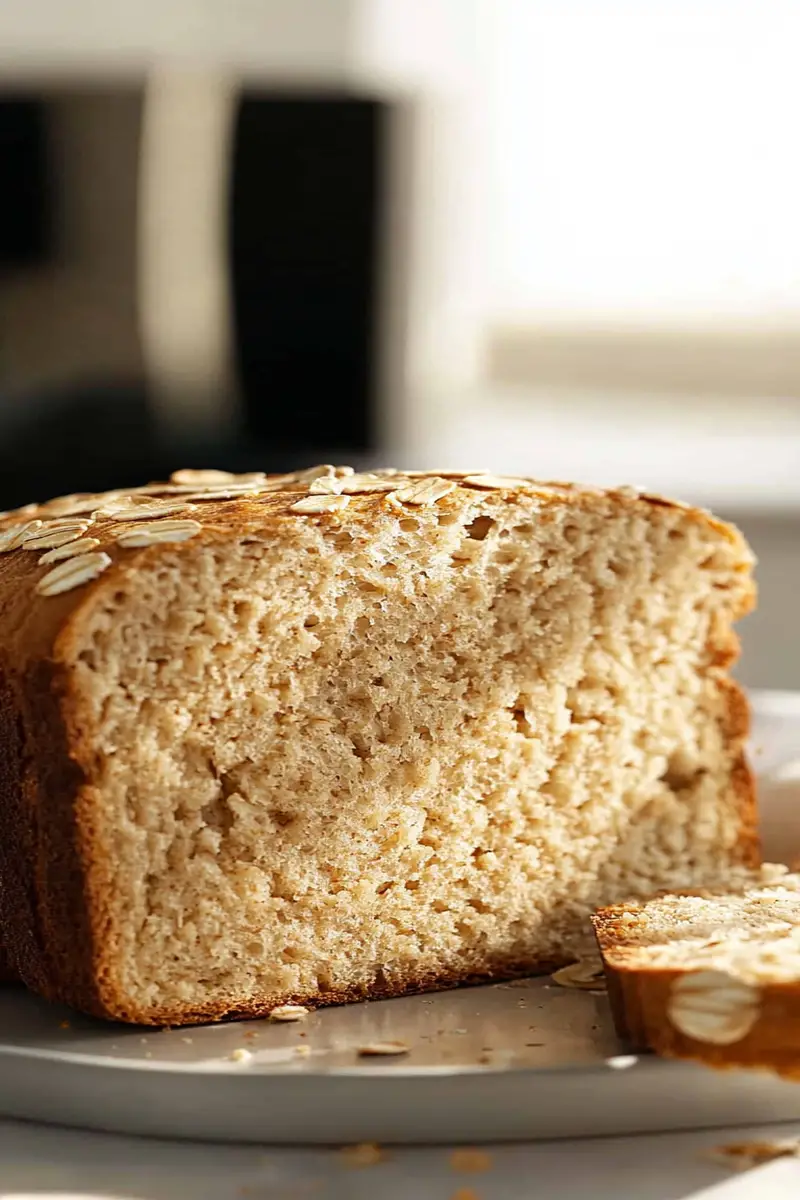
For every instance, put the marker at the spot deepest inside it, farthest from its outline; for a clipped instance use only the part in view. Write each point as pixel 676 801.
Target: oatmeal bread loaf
pixel 712 976
pixel 322 736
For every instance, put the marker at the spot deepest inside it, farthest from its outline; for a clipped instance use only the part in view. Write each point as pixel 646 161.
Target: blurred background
pixel 551 236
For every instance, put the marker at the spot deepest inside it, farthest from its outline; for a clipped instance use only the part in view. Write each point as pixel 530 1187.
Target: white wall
pixel 292 38
pixel 642 162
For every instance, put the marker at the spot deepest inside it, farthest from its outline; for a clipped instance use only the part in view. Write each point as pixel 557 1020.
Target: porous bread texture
pixel 710 977
pixel 342 755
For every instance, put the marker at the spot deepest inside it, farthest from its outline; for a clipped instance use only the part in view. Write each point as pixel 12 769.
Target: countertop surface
pixel 49 1163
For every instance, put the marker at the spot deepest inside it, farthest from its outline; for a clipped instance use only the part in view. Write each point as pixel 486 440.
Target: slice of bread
pixel 713 977
pixel 324 736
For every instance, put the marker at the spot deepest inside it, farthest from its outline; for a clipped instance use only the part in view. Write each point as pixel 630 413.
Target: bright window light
pixel 644 162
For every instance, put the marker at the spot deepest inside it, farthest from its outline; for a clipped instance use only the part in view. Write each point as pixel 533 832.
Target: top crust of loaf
pixel 45 606
pixel 36 621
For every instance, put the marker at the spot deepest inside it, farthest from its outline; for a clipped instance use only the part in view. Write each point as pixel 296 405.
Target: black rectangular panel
pixel 304 234
pixel 25 185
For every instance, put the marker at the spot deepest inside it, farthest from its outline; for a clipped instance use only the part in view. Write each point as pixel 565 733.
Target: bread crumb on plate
pixel 289 1012
pixel 470 1160
pixel 367 1154
pixel 742 1156
pixel 381 1049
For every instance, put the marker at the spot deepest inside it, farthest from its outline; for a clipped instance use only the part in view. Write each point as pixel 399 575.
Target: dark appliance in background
pixel 26 226
pixel 303 230
pixel 304 210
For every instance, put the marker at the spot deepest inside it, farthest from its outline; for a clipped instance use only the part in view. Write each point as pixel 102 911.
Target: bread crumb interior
pixel 348 752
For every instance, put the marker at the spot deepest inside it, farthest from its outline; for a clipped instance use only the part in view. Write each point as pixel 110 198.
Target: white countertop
pixel 49 1163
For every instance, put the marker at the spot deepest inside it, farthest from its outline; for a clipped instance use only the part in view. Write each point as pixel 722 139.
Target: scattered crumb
pixel 459 1031
pixel 741 1156
pixel 369 1154
pixel 289 1012
pixel 470 1161
pixel 143 1041
pixel 250 1034
pixel 187 1041
pixel 619 1062
pixel 587 975
pixel 375 1049
pixel 241 1055
pixel 534 1043
pixel 65 1025
pixel 465 1194
pixel 484 1059
pixel 522 1004
pixel 302 1051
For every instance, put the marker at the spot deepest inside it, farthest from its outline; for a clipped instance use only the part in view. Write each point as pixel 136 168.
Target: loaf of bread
pixel 323 736
pixel 712 976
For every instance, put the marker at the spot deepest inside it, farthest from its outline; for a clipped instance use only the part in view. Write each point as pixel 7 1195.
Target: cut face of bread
pixel 714 977
pixel 318 751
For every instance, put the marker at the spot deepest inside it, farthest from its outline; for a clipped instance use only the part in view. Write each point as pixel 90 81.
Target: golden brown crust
pixel 743 782
pixel 723 648
pixel 48 908
pixel 736 729
pixel 43 909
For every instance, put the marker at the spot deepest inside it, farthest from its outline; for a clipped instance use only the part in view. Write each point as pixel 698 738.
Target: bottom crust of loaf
pixel 496 970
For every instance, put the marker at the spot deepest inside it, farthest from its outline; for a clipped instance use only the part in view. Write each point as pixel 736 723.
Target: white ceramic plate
pixel 513 1061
